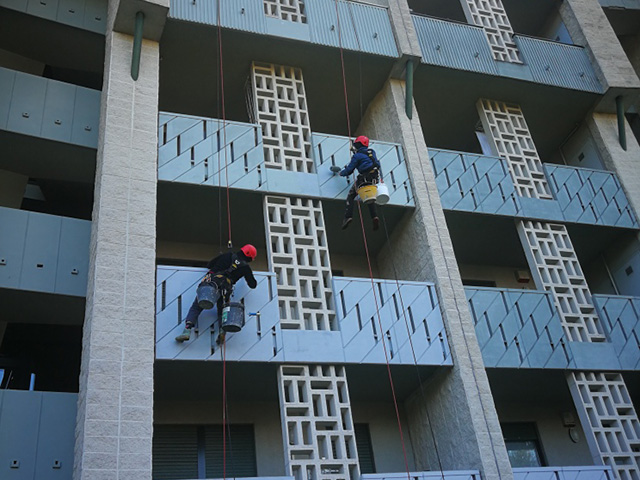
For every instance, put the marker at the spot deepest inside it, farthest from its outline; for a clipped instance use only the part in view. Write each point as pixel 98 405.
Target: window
pixel 195 451
pixel 365 450
pixel 523 445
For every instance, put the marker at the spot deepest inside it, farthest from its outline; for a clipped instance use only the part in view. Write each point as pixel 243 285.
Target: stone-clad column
pixel 115 404
pixel 463 415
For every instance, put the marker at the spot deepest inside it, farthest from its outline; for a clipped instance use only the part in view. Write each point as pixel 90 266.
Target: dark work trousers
pixel 225 296
pixel 368 178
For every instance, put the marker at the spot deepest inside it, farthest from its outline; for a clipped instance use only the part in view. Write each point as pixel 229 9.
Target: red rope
pixel 224 409
pixel 366 248
pixel 224 123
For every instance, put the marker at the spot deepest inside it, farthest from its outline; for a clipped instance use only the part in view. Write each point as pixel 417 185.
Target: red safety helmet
pixel 249 251
pixel 362 140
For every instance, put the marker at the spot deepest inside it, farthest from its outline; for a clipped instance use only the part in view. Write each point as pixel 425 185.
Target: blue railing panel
pixel 323 24
pixel 430 475
pixel 558 64
pixel 518 328
pixel 373 29
pixel 474 183
pixel 590 196
pixel 587 472
pixel 408 312
pixel 86 14
pixel 44 108
pixel 620 317
pixel 44 253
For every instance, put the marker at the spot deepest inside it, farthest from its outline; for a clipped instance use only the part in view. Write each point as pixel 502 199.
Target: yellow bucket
pixel 367 193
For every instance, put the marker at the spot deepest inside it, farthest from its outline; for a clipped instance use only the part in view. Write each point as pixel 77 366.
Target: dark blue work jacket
pixel 364 160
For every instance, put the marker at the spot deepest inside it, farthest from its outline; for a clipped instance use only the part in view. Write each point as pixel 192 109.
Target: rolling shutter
pixel 175 452
pixel 241 451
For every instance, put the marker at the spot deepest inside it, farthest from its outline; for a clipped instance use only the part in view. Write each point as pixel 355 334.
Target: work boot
pixel 376 223
pixel 221 337
pixel 346 222
pixel 184 336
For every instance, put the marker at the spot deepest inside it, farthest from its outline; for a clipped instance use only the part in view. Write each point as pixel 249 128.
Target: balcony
pixel 477 183
pixel 193 150
pixel 85 14
pixel 356 339
pixel 464 47
pixel 564 473
pixel 48 109
pixel 522 329
pixel 38 434
pixel 364 28
pixel 432 475
pixel 44 253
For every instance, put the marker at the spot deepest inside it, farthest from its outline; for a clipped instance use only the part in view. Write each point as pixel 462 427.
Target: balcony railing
pixel 620 317
pixel 598 472
pixel 85 14
pixel 432 475
pixel 193 150
pixel 477 183
pixel 38 434
pixel 465 47
pixel 40 107
pixel 410 312
pixel 364 28
pixel 43 253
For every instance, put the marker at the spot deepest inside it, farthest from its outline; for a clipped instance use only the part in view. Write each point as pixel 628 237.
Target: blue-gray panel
pixel 323 22
pixel 71 12
pixel 43 8
pixel 198 12
pixel 56 438
pixel 288 29
pixel 27 104
pixel 95 15
pixel 620 318
pixel 6 93
pixel 247 15
pixel 58 111
pixel 454 45
pixel 373 28
pixel 19 425
pixel 86 117
pixel 628 4
pixel 73 257
pixel 558 64
pixel 20 5
pixel 40 259
pixel 12 235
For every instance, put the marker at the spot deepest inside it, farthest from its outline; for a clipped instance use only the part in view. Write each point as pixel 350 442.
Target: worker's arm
pixel 250 279
pixel 348 170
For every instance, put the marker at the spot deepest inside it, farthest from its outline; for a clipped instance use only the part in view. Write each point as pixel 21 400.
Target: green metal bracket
pixel 137 45
pixel 622 134
pixel 408 101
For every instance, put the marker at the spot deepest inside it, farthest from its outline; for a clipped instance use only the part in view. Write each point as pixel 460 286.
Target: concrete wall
pixel 505 277
pixel 580 151
pixel 559 450
pixel 21 64
pixel 355 266
pixel 12 187
pixel 467 428
pixel 264 416
pixel 631 46
pixel 115 401
pixel 385 436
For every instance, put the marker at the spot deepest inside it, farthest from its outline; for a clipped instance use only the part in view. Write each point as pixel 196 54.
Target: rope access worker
pixel 366 162
pixel 224 271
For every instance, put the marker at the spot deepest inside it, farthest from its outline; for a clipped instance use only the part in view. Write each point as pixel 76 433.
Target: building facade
pixel 490 328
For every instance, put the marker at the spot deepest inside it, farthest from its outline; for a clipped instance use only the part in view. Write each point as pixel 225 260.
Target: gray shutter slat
pixel 175 452
pixel 241 451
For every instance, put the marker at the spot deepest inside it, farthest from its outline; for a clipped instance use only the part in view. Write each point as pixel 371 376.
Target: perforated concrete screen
pixel 492 17
pixel 318 434
pixel 280 105
pixel 605 406
pixel 507 129
pixel 299 256
pixel 290 10
pixel 555 266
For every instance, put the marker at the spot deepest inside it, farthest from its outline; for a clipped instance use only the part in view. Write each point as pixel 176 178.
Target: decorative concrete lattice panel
pixel 207 151
pixel 280 105
pixel 609 420
pixel 474 183
pixel 492 17
pixel 290 10
pixel 555 267
pixel 518 328
pixel 408 311
pixel 590 196
pixel 318 434
pixel 507 129
pixel 259 340
pixel 620 317
pixel 299 255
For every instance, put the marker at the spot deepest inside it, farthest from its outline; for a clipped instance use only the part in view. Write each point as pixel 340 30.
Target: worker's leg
pixel 348 212
pixel 374 215
pixel 190 321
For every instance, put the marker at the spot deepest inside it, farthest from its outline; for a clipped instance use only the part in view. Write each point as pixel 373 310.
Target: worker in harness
pixel 366 162
pixel 224 271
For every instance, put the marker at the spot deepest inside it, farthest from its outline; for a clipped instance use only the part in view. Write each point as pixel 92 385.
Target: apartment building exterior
pixel 490 329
